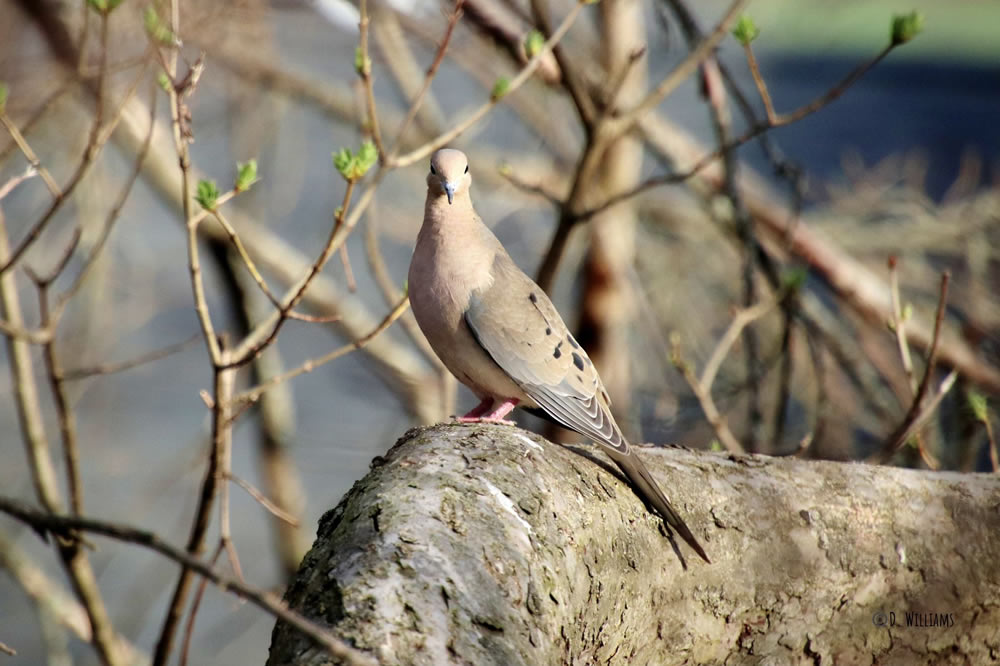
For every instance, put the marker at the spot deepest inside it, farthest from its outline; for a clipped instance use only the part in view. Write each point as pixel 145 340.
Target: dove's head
pixel 449 174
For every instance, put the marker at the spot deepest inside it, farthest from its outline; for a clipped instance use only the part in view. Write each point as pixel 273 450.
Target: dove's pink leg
pixel 496 416
pixel 479 409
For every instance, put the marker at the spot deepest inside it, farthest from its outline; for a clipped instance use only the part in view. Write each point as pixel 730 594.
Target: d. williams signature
pixel 913 619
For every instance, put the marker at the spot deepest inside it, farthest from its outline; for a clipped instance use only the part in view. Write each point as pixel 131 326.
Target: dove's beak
pixel 449 189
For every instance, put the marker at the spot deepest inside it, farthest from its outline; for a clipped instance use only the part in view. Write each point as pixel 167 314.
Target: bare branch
pixel 742 319
pixel 121 366
pixel 14 181
pixel 712 414
pixel 251 395
pixel 515 83
pixel 453 18
pixel 918 413
pixel 60 524
pixel 365 72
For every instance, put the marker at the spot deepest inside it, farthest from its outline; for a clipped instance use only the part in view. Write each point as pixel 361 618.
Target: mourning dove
pixel 500 335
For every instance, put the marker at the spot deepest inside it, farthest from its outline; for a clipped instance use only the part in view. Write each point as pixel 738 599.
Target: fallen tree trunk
pixel 475 544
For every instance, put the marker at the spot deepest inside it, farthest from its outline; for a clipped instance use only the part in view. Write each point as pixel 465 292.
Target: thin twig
pixel 114 213
pixel 221 431
pixel 917 413
pixel 252 395
pixel 922 416
pixel 276 423
pixel 785 377
pixel 252 345
pixel 262 599
pixel 195 606
pixel 14 181
pixel 925 454
pixel 64 412
pixel 345 261
pixel 715 94
pixel 460 127
pixel 622 123
pixel 408 74
pixel 606 130
pixel 618 79
pixel 758 80
pixel 899 326
pixel 533 188
pixel 994 457
pixel 46 105
pixel 712 415
pixel 222 416
pixel 99 134
pixel 198 288
pixel 571 80
pixel 270 506
pixel 112 368
pixel 391 294
pixel 182 134
pixel 245 256
pixel 365 72
pixel 456 14
pixel 741 320
pixel 46 279
pixel 752 133
pixel 32 158
pixel 26 397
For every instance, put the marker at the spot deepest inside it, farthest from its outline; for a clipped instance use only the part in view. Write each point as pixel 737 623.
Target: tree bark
pixel 476 544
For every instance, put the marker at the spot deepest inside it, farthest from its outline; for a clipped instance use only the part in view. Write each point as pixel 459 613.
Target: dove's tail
pixel 649 492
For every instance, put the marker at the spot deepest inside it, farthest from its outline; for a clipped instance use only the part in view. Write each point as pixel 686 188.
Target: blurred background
pixel 904 164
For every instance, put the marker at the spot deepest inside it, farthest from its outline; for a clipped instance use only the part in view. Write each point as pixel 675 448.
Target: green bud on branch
pixel 500 88
pixel 246 175
pixel 745 30
pixel 156 29
pixel 353 166
pixel 533 43
pixel 977 403
pixel 362 64
pixel 104 7
pixel 794 279
pixel 907 312
pixel 207 194
pixel 905 27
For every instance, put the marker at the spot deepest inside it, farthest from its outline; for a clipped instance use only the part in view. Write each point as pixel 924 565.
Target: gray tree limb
pixel 475 544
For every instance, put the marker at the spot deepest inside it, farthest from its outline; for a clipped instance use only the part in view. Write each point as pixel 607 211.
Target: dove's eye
pixel 433 170
pixel 466 168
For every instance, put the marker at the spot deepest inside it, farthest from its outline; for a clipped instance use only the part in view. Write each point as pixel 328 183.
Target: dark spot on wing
pixel 579 378
pixel 556 353
pixel 548 331
pixel 532 297
pixel 578 361
pixel 572 342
